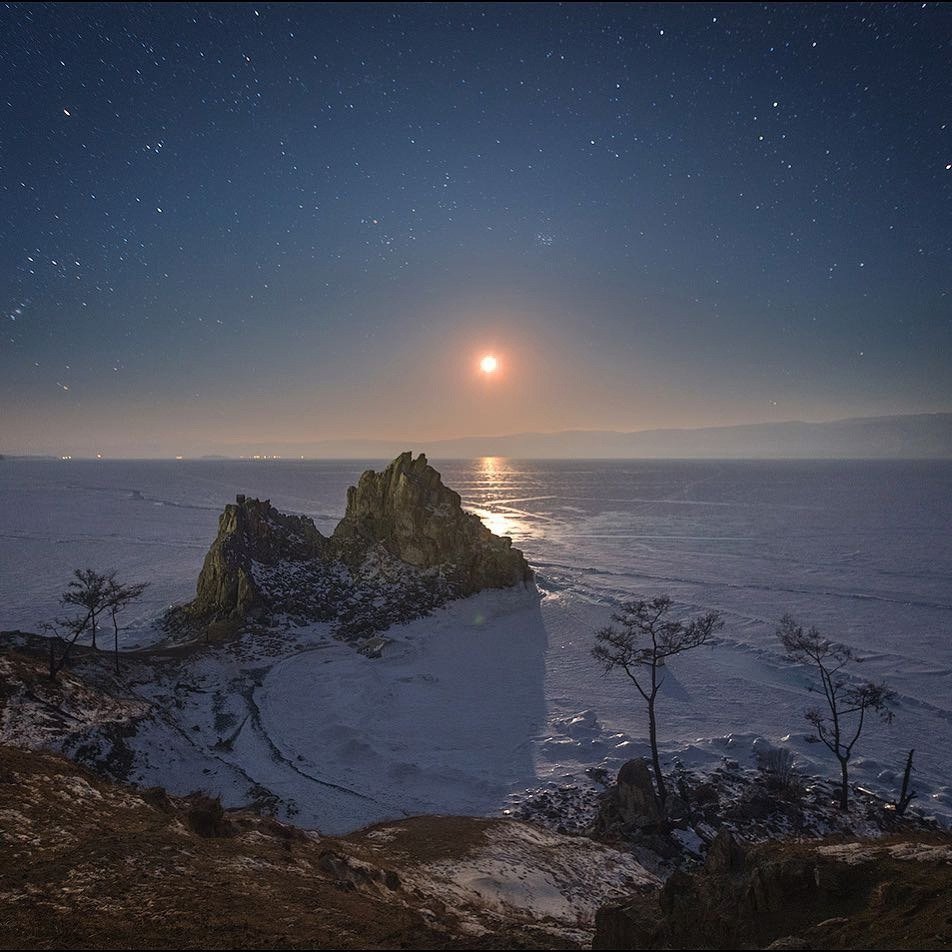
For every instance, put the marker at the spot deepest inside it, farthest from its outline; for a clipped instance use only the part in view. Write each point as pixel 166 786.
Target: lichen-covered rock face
pixel 407 510
pixel 404 547
pixel 251 533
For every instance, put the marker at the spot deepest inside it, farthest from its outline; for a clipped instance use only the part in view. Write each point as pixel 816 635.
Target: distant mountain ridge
pixel 915 436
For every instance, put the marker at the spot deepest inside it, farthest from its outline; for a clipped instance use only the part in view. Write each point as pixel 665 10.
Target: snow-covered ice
pixel 499 693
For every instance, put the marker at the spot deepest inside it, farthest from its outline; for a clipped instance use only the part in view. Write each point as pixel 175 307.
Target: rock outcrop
pixel 408 511
pixel 883 894
pixel 629 804
pixel 252 534
pixel 404 546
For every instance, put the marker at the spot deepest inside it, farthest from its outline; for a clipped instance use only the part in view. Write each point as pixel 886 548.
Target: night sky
pixel 226 224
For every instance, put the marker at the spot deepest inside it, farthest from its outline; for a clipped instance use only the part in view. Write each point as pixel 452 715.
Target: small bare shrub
pixel 206 816
pixel 779 770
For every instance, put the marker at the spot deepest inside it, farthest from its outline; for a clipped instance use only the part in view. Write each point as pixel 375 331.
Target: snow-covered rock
pixel 404 547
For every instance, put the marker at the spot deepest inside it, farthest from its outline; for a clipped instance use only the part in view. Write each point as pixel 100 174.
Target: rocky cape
pixel 404 547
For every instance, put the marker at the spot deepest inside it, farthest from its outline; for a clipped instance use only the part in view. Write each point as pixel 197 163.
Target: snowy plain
pixel 498 694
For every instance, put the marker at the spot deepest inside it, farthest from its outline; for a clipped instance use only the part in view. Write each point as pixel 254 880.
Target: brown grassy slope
pixel 85 863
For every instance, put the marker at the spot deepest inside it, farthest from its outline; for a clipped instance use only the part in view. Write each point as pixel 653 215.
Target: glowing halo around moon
pixel 489 364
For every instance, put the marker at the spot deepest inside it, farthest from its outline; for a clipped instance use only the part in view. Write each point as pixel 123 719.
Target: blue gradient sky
pixel 225 224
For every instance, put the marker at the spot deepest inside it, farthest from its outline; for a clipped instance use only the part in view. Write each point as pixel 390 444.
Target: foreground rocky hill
pixel 88 862
pixel 85 863
pixel 404 547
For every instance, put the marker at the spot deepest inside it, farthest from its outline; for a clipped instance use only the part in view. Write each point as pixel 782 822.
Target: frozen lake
pixel 479 700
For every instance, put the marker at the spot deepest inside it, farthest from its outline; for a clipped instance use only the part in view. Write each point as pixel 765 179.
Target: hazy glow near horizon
pixel 489 364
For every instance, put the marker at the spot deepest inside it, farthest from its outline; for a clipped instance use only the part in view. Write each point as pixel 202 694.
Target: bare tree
pixel 87 590
pixel 906 796
pixel 118 597
pixel 840 723
pixel 645 639
pixel 68 631
pixel 96 594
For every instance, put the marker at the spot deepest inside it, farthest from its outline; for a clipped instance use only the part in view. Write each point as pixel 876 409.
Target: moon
pixel 488 364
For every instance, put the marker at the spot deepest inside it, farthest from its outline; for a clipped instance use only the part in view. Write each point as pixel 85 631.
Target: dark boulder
pixel 629 804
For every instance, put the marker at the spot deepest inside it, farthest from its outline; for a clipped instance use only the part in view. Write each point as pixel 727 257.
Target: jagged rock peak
pixel 251 531
pixel 408 511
